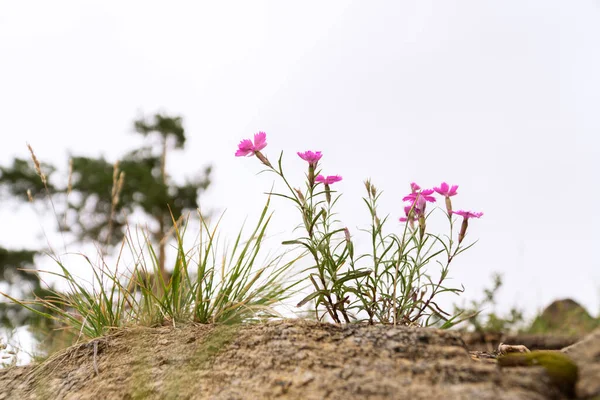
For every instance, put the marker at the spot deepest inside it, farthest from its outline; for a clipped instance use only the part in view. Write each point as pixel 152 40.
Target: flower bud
pixel 300 196
pixel 347 234
pixel 463 230
pixel 328 194
pixel 368 185
pixel 421 225
pixel 311 175
pixel 349 244
pixel 448 205
pixel 262 158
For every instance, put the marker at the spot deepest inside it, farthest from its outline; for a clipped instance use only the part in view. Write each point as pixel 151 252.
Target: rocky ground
pixel 294 359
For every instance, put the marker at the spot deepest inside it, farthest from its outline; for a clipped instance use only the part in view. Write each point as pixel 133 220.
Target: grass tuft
pixel 208 284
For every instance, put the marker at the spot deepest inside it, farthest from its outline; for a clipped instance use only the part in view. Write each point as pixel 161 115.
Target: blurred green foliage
pixel 17 269
pixel 565 317
pixel 562 317
pixel 481 315
pixel 90 212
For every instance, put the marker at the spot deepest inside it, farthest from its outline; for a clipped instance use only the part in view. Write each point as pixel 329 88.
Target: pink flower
pixel 414 187
pixel 465 223
pixel 468 214
pixel 446 190
pixel 311 157
pixel 247 148
pixel 328 180
pixel 420 199
pixel 407 212
pixel 426 195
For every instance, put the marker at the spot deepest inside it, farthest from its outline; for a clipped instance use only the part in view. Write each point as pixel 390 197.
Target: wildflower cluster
pixel 390 284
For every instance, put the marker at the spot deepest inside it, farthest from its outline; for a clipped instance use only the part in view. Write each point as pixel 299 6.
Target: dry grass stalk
pixel 37 165
pixel 117 187
pixel 115 180
pixel 38 169
pixel 70 179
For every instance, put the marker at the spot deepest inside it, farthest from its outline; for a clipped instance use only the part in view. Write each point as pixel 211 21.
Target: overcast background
pixel 499 97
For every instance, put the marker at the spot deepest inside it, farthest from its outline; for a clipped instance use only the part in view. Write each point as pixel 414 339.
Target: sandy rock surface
pixel 586 355
pixel 291 359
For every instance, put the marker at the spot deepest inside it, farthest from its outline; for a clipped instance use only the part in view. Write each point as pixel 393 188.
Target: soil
pixel 288 359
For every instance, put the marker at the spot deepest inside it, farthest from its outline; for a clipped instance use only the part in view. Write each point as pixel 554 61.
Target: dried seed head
pixel 300 196
pixel 119 187
pixel 70 180
pixel 37 165
pixel 115 180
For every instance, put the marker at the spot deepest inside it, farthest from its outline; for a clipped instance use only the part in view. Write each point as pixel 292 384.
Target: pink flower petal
pixel 468 214
pixel 260 141
pixel 247 148
pixel 244 148
pixel 446 190
pixel 310 156
pixel 328 180
pixel 424 194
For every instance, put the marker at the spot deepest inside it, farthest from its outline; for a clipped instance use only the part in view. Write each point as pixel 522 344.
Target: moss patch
pixel 562 371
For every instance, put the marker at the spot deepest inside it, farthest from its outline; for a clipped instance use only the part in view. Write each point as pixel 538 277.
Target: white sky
pixel 500 97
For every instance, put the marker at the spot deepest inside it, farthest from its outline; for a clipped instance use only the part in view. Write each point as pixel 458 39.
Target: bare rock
pixel 586 355
pixel 290 359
